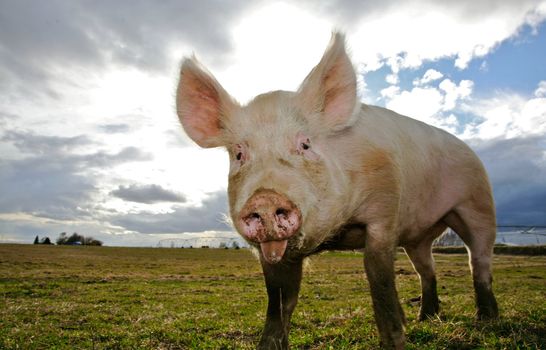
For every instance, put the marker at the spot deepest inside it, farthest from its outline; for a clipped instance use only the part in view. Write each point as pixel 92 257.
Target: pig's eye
pixel 303 147
pixel 241 153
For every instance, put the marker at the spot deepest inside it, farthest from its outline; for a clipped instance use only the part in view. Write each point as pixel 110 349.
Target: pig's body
pixel 314 170
pixel 405 173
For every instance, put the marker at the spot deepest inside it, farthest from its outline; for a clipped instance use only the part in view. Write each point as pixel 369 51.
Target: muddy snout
pixel 270 218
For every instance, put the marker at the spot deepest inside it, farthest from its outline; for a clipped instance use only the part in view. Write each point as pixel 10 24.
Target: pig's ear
pixel 330 89
pixel 202 104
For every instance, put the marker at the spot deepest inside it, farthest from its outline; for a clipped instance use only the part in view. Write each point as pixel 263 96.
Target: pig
pixel 316 170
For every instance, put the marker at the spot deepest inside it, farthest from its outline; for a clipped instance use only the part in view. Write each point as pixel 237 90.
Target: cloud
pixel 541 89
pixel 406 34
pixel 147 194
pixel 420 103
pixel 508 115
pixel 40 43
pixel 45 187
pixel 210 216
pixel 429 76
pixel 517 168
pixel 454 93
pixel 31 143
pixel 52 178
pixel 428 103
pixel 115 128
pixel 390 92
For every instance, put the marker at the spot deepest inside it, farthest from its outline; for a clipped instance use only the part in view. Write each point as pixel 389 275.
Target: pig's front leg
pixel 379 263
pixel 283 285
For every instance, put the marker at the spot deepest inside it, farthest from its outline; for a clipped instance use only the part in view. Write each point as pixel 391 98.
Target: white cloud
pixel 454 92
pixel 405 35
pixel 429 76
pixel 541 89
pixel 419 103
pixel 508 116
pixel 392 79
pixel 430 104
pixel 390 92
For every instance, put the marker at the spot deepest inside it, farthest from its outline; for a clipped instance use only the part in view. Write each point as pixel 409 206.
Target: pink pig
pixel 316 169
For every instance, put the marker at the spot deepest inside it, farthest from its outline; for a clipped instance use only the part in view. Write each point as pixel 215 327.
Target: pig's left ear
pixel 202 104
pixel 330 89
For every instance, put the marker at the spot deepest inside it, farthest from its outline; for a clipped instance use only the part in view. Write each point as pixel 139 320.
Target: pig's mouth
pixel 270 219
pixel 273 251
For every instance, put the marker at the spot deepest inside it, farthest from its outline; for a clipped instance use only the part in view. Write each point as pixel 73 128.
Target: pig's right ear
pixel 329 92
pixel 202 104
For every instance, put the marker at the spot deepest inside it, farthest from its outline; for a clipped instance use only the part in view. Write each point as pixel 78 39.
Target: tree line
pixel 73 239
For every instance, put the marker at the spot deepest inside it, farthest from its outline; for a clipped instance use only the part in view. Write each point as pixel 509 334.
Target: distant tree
pixel 45 240
pixel 37 240
pixel 235 245
pixel 76 238
pixel 223 245
pixel 92 241
pixel 62 238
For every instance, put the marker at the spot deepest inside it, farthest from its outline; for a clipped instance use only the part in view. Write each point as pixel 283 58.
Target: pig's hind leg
pixel 421 257
pixel 474 222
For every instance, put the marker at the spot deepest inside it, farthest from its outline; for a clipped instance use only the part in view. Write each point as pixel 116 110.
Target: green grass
pixel 58 297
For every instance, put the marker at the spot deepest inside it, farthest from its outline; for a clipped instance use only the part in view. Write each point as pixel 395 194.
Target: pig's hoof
pixel 395 344
pixel 428 310
pixel 273 343
pixel 491 312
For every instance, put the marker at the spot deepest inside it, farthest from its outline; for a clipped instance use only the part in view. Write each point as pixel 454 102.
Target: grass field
pixel 59 297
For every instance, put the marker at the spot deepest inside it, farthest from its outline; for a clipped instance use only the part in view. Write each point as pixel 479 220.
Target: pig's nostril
pixel 254 216
pixel 281 212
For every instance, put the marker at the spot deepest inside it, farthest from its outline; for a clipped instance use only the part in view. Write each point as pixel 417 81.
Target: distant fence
pixel 518 235
pixel 204 241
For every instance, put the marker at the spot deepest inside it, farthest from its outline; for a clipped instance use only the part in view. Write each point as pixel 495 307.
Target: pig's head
pixel 285 188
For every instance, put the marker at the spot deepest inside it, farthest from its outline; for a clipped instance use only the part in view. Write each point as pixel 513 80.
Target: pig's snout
pixel 270 218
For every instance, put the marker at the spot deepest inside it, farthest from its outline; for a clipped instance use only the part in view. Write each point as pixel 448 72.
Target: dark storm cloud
pixel 52 181
pixel 47 187
pixel 517 168
pixel 208 217
pixel 41 144
pixel 60 148
pixel 147 194
pixel 41 39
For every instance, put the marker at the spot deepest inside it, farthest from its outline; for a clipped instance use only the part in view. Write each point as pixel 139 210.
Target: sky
pixel 90 141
